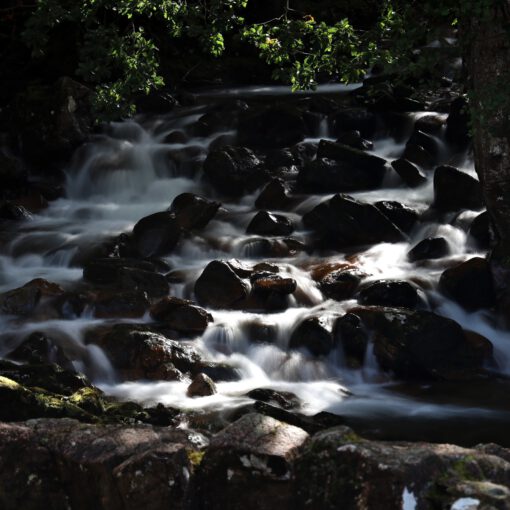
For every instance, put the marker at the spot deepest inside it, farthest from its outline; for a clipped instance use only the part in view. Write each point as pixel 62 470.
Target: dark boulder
pixel 267 224
pixel 220 287
pixel 266 282
pixel 154 284
pixel 342 284
pixel 430 248
pixel 39 349
pixel 409 173
pixel 273 127
pixel 337 465
pixel 469 284
pixel 249 463
pixel 284 399
pixel 455 190
pixel 423 345
pixel 358 119
pixel 350 333
pixel 12 212
pixel 201 386
pixel 234 170
pixel 129 304
pixel 355 140
pixel 313 334
pixel 104 271
pixel 157 234
pixel 401 215
pixel 342 221
pixel 181 315
pixel 391 293
pixel 275 195
pixel 136 352
pixel 480 231
pixel 193 211
pixel 341 168
pixel 20 301
pixel 431 124
pixel 427 141
pixel 279 158
pixel 418 155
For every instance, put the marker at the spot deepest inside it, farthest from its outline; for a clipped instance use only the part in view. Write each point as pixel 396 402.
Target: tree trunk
pixel 488 65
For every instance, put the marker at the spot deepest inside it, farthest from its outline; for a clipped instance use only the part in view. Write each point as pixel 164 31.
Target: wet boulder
pixel 350 333
pixel 341 168
pixel 343 221
pixel 76 465
pixel 12 212
pixel 220 287
pixel 20 301
pixel 249 463
pixel 218 372
pixel 154 284
pixel 136 352
pixel 418 155
pixel 404 217
pixel 38 348
pixel 392 293
pixel 358 119
pixel 337 465
pixel 234 170
pixel 469 284
pixel 455 190
pixel 431 124
pixel 409 173
pixel 342 284
pixel 181 315
pixel 268 224
pixel 427 141
pixel 354 139
pixel 479 231
pixel 193 211
pixel 270 292
pixel 429 248
pixel 201 386
pixel 104 271
pixel 275 195
pixel 129 303
pixel 273 127
pixel 157 234
pixel 284 399
pixel 313 334
pixel 423 345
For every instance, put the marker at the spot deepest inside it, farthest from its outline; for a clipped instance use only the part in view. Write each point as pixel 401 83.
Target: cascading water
pixel 132 171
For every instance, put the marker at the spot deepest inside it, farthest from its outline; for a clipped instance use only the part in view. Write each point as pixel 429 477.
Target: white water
pixel 130 173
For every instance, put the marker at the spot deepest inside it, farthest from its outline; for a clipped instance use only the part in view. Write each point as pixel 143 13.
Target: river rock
pixel 418 155
pixel 284 399
pixel 201 386
pixel 337 465
pixel 129 304
pixel 136 352
pixel 75 465
pixel 421 344
pixel 341 168
pixel 105 271
pixel 12 212
pixel 455 190
pixel 20 301
pixel 249 463
pixel 342 284
pixel 358 119
pixel 273 127
pixel 313 334
pixel 181 315
pixel 409 173
pixel 431 124
pixel 220 287
pixel 479 231
pixel 266 282
pixel 275 195
pixel 38 348
pixel 429 248
pixel 351 334
pixel 427 141
pixel 193 211
pixel 391 293
pixel 469 284
pixel 401 215
pixel 343 221
pixel 354 139
pixel 157 234
pixel 268 224
pixel 154 284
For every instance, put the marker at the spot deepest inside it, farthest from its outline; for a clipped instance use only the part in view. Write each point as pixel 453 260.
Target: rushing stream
pixel 130 172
